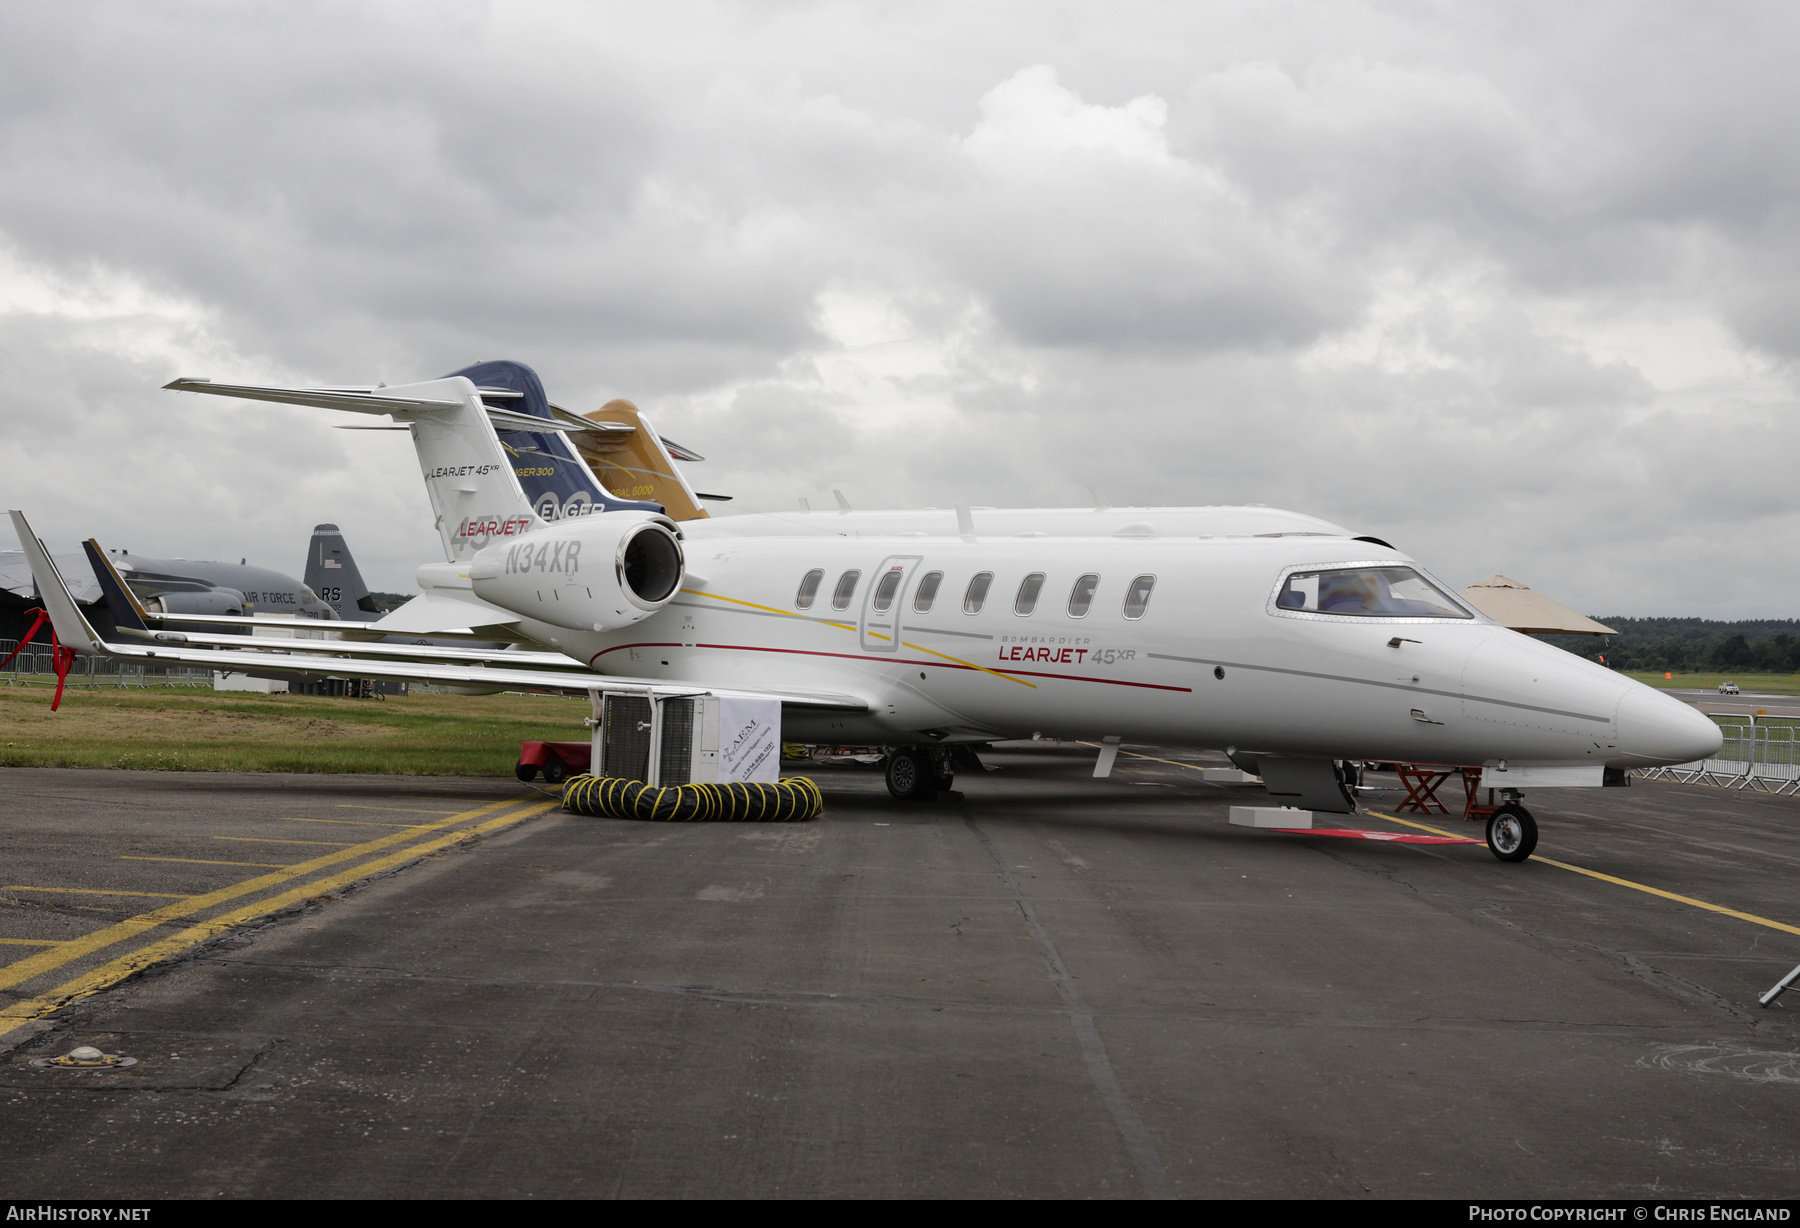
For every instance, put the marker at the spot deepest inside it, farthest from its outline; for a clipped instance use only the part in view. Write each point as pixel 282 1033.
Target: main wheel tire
pixel 555 772
pixel 1511 833
pixel 526 772
pixel 910 774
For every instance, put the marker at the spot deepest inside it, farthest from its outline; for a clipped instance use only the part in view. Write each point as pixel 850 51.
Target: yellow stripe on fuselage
pixel 825 622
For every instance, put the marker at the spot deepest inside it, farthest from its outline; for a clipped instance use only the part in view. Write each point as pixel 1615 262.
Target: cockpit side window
pixel 1368 592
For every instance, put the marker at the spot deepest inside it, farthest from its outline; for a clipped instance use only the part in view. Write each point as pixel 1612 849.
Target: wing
pixel 350 659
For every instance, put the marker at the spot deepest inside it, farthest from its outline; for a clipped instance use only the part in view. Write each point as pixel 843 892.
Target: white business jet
pixel 1296 648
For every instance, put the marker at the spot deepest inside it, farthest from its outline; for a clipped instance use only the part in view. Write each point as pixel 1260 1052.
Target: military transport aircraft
pixel 182 586
pixel 1291 643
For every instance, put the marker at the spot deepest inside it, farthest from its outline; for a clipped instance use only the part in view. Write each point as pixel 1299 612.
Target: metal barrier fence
pixel 1760 752
pixel 35 666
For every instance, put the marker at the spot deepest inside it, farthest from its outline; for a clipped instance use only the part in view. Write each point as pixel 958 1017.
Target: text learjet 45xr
pixel 1292 651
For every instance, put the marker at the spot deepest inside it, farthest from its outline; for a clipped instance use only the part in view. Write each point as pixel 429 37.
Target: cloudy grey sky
pixel 1512 286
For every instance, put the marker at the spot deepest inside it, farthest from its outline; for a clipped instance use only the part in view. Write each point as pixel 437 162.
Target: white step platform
pixel 1270 816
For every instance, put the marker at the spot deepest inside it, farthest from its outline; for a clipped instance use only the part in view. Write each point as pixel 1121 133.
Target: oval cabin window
pixel 978 589
pixel 846 589
pixel 809 588
pixel 1137 597
pixel 1029 588
pixel 927 593
pixel 884 592
pixel 1082 596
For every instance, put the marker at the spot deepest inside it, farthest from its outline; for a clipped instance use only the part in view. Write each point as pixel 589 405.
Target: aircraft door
pixel 879 626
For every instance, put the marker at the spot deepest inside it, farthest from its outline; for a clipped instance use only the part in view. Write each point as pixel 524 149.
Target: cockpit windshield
pixel 1368 592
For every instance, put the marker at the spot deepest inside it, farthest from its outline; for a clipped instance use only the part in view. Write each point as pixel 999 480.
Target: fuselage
pixel 264 592
pixel 1207 658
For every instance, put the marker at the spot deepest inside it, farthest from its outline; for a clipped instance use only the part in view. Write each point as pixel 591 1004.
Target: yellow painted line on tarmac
pixel 1436 831
pixel 29 942
pixel 201 861
pixel 360 823
pixel 1623 882
pixel 394 809
pixel 155 895
pixel 125 965
pixel 330 844
pixel 37 965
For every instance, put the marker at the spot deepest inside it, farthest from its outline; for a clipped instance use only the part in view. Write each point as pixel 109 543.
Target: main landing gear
pixel 1511 832
pixel 915 772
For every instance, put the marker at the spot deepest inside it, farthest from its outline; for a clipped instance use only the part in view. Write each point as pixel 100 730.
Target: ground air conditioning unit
pixel 686 739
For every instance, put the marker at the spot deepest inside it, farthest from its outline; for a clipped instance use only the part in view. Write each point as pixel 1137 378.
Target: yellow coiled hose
pixel 791 799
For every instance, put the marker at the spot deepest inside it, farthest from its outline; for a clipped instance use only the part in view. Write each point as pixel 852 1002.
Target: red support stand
pixel 62 659
pixel 1423 780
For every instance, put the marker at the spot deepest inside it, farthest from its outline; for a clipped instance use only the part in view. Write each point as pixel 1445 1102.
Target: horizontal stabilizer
pixel 432 613
pixel 379 401
pixel 356 400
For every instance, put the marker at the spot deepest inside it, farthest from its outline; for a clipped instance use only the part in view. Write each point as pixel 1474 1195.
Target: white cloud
pixel 1510 287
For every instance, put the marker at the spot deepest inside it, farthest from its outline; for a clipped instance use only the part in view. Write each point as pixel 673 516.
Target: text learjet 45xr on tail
pixel 1293 652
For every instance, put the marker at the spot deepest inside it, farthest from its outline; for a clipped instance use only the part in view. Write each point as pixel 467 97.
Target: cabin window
pixel 927 593
pixel 1137 597
pixel 884 591
pixel 977 593
pixel 1029 588
pixel 1082 596
pixel 846 589
pixel 1368 592
pixel 809 588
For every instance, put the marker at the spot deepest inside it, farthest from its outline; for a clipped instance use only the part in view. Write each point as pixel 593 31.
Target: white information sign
pixel 749 739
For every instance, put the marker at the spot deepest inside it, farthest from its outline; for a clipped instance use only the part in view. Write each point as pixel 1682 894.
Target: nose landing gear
pixel 1511 832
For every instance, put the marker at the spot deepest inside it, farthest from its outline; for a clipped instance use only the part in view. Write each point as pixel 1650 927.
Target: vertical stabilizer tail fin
pixel 630 460
pixel 128 613
pixel 556 482
pixel 334 576
pixel 475 495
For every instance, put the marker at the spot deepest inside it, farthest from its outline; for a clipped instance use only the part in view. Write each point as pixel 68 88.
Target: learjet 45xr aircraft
pixel 1290 643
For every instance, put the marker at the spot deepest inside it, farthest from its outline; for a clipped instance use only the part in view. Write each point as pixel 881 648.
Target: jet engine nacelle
pixel 598 573
pixel 211 601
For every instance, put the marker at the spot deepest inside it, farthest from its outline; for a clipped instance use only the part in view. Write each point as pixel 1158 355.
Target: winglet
pixel 128 614
pixel 72 629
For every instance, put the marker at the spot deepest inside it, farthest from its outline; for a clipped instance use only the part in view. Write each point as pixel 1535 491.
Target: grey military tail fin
pixel 332 574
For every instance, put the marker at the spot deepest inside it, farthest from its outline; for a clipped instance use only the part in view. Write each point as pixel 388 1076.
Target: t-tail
pixel 333 575
pixel 556 482
pixel 481 490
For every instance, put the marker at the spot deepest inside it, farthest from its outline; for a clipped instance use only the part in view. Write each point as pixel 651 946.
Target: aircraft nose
pixel 1657 729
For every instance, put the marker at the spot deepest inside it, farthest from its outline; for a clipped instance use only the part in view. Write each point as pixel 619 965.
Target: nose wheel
pixel 1511 832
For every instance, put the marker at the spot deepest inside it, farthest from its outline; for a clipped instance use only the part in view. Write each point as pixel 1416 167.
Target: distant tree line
pixel 391 601
pixel 1692 645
